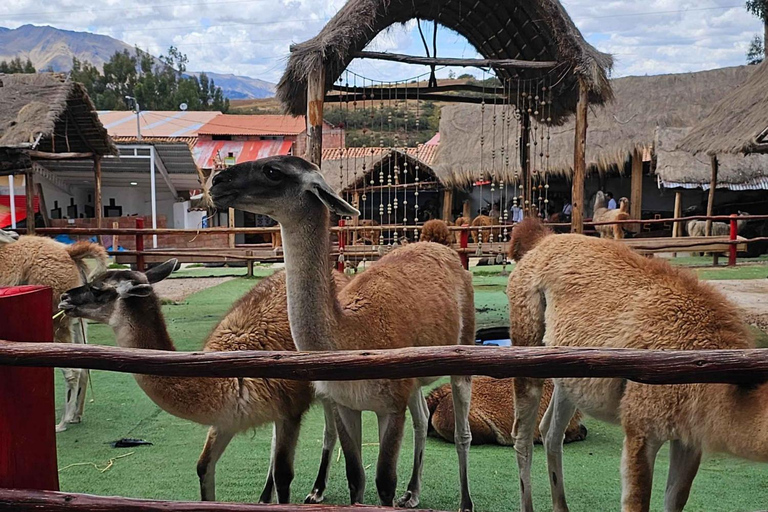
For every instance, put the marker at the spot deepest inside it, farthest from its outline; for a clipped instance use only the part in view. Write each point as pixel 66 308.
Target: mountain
pixel 241 87
pixel 53 48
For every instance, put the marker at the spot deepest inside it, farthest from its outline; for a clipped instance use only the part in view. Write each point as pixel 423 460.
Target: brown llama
pixel 602 214
pixel 557 301
pixel 437 231
pixel 484 235
pixel 492 412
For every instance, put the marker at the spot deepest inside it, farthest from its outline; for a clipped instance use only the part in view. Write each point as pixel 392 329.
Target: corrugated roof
pixel 155 123
pixel 207 153
pixel 255 125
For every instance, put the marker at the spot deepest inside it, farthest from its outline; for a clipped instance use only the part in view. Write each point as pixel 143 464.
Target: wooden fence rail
pixel 22 500
pixel 649 366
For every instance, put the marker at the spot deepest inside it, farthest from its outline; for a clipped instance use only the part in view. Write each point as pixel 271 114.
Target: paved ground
pixel 179 289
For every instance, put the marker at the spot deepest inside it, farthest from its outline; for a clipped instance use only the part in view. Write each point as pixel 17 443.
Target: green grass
pixel 166 470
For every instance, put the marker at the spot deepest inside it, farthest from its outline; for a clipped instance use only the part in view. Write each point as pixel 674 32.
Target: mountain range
pixel 52 48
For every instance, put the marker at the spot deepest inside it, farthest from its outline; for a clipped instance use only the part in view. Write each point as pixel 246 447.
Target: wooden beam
pixel 43 155
pixel 41 207
pixel 315 97
pixel 97 193
pixel 641 365
pixel 369 91
pixel 166 177
pixel 677 227
pixel 448 205
pixel 476 63
pixel 579 161
pixel 29 182
pixel 231 224
pixel 413 94
pixel 636 196
pixel 711 198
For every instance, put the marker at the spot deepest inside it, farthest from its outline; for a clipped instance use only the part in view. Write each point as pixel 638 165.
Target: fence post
pixel 249 264
pixel 732 247
pixel 464 243
pixel 140 245
pixel 27 410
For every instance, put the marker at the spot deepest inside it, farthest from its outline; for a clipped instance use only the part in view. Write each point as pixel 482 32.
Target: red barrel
pixel 27 410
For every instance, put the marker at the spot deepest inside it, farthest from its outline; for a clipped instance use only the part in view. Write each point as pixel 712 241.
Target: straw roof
pixel 499 29
pixel 47 112
pixel 628 123
pixel 738 122
pixel 679 168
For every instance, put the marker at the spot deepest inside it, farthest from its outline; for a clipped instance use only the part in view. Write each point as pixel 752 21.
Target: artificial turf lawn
pixel 166 470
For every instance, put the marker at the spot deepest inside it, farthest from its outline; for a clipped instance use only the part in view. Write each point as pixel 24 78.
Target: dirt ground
pixel 750 295
pixel 177 290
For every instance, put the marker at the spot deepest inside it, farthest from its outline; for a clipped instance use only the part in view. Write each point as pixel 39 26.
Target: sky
pixel 252 37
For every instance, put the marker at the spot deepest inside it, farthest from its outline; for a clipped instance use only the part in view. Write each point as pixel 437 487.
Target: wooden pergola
pixel 46 117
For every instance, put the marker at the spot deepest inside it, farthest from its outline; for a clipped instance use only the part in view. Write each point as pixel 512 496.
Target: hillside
pixel 53 48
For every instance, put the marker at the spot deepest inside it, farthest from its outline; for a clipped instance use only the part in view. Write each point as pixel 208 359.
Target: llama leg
pixel 215 444
pixel 527 399
pixel 390 438
pixel 461 391
pixel 637 461
pixel 553 427
pixel 329 442
pixel 269 484
pixel 349 425
pixel 420 415
pixel 683 466
pixel 286 438
pixel 79 337
pixel 71 379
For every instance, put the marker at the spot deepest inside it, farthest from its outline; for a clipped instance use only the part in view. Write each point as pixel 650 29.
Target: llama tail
pixel 83 250
pixel 526 236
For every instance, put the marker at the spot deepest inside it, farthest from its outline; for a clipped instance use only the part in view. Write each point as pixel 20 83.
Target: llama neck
pixel 141 325
pixel 309 284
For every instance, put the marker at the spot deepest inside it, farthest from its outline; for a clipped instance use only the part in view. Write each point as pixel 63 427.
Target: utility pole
pixel 138 116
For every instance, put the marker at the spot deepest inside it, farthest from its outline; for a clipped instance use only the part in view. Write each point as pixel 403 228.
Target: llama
pixel 602 214
pixel 42 261
pixel 125 301
pixel 482 235
pixel 437 231
pixel 699 227
pixel 558 301
pixel 491 413
pixel 416 295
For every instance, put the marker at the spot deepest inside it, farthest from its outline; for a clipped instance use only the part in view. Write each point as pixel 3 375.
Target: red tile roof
pixel 254 125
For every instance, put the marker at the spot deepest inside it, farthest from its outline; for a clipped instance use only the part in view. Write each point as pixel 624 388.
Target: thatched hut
pixel 45 117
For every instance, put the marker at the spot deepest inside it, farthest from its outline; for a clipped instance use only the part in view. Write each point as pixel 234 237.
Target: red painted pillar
pixel 732 247
pixel 140 245
pixel 27 410
pixel 464 243
pixel 342 244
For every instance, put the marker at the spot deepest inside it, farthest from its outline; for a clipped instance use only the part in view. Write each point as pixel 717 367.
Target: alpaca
pixel 699 227
pixel 368 236
pixel 42 261
pixel 125 301
pixel 558 301
pixel 416 295
pixel 492 412
pixel 483 235
pixel 437 231
pixel 602 214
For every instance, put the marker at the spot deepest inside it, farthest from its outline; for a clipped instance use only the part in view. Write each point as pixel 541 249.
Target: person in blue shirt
pixel 611 201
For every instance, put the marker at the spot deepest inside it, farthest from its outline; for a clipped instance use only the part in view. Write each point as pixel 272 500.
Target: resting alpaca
pixel 699 227
pixel 417 295
pixel 258 321
pixel 602 214
pixel 437 231
pixel 492 412
pixel 37 260
pixel 558 301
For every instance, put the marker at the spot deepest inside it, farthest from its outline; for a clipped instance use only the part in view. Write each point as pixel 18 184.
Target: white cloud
pixel 252 37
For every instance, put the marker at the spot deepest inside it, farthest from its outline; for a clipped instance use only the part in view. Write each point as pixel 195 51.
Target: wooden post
pixel 140 245
pixel 27 409
pixel 465 211
pixel 29 182
pixel 231 224
pixel 463 243
pixel 447 205
pixel 97 192
pixel 249 264
pixel 315 98
pixel 579 161
pixel 677 227
pixel 636 196
pixel 732 247
pixel 711 199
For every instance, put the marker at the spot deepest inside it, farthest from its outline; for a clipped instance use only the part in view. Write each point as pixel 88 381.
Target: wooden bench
pixel 712 244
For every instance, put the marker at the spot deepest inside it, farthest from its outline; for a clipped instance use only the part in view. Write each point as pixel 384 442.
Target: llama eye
pixel 273 174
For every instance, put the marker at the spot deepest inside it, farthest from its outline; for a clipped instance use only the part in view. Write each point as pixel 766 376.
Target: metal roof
pixel 207 152
pixel 254 125
pixel 156 123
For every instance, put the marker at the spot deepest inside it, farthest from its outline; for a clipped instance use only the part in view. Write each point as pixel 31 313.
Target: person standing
pixel 611 201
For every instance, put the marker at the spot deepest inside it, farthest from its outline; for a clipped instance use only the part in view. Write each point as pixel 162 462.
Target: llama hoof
pixel 408 500
pixel 313 498
pixel 61 427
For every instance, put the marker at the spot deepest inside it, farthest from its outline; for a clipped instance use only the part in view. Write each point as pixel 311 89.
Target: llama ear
pixel 160 272
pixel 317 185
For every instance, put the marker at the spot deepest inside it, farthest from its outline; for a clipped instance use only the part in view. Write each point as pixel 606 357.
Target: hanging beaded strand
pixel 549 136
pixel 479 240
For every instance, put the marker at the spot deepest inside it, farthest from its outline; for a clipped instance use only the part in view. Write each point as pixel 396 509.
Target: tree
pixel 756 52
pixel 17 66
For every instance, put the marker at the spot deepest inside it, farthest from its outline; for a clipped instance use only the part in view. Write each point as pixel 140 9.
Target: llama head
pixel 104 298
pixel 286 188
pixel 7 237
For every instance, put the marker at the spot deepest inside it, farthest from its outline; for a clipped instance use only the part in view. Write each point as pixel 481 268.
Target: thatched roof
pixel 738 122
pixel 629 122
pixel 47 112
pixel 499 29
pixel 354 171
pixel 679 168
